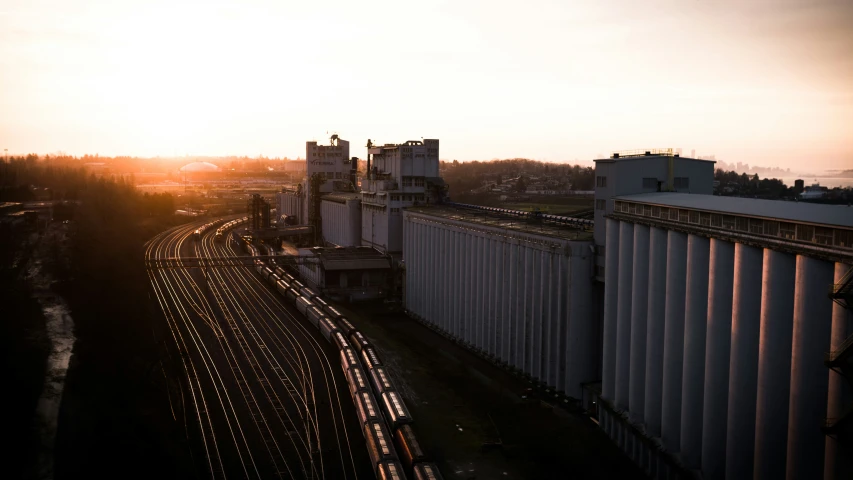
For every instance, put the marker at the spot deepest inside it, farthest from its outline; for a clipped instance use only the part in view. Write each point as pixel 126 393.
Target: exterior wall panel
pixel 522 298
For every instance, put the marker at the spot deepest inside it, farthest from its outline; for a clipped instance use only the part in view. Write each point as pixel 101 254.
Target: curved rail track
pixel 261 394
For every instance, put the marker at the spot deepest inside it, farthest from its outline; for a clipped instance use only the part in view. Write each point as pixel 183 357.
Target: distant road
pixel 261 394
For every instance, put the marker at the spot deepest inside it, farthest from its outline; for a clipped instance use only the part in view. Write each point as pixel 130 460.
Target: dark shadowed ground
pixel 470 415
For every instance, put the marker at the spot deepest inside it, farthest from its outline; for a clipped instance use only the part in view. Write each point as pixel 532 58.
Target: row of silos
pixel 341 217
pixel 715 350
pixel 522 299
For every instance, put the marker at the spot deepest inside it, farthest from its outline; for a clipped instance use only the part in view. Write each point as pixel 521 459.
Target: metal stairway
pixel 841 359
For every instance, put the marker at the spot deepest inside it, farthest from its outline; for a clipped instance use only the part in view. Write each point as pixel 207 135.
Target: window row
pixel 786 230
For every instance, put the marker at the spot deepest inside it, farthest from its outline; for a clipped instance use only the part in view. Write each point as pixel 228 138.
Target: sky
pixel 761 82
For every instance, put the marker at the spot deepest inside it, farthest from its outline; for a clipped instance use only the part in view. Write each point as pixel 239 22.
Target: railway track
pixel 262 397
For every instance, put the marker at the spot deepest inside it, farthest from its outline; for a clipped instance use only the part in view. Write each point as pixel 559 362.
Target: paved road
pixel 262 393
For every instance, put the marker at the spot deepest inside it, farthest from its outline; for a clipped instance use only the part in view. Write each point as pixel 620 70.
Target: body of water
pixel 830 182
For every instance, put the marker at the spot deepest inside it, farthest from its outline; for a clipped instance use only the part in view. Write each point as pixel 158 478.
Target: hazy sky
pixel 763 82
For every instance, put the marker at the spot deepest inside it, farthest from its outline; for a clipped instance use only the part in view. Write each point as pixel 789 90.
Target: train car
pixel 333 312
pixel 265 271
pixel 389 470
pixel 340 340
pixel 395 410
pixel 427 471
pixel 370 357
pixel 321 303
pixel 380 380
pixel 408 449
pixel 378 444
pixel 308 293
pixel 312 313
pixel 280 272
pixel 297 285
pixel 366 408
pixel 282 287
pixel 259 266
pixel 290 278
pixel 291 295
pixel 348 359
pixel 358 341
pixel 343 324
pixel 328 328
pixel 273 278
pixel 302 304
pixel 357 380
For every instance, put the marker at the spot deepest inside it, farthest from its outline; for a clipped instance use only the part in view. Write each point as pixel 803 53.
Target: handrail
pixel 831 356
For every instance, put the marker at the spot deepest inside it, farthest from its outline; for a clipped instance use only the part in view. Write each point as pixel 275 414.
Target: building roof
pixel 644 158
pixel 348 258
pixel 502 221
pixel 799 212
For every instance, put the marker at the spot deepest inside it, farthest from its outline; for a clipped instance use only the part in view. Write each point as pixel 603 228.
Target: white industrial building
pixel 341 217
pixel 639 171
pixel 519 292
pixel 398 176
pixel 716 321
pixel 328 168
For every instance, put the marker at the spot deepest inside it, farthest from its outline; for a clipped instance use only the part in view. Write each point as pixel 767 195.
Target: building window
pixel 407 181
pixel 823 235
pixel 729 222
pixel 843 238
pixel 600 204
pixel 650 182
pixel 694 216
pixel 805 233
pixel 683 216
pixel 647 210
pixel 419 181
pixel 681 183
pixel 742 224
pixel 601 182
pixel 395 198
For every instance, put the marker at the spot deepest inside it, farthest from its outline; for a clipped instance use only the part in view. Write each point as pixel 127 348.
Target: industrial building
pixel 516 289
pixel 354 273
pixel 398 176
pixel 698 328
pixel 716 321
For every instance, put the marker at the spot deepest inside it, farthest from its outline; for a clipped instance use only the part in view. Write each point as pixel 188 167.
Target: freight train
pixel 220 232
pixel 385 420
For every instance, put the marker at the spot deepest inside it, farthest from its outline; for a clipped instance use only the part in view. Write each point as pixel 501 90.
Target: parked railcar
pixel 367 409
pixel 358 341
pixel 357 381
pixel 389 470
pixel 312 313
pixel 340 340
pixel 343 324
pixel 333 313
pixel 302 304
pixel 308 293
pixel 427 471
pixel 348 358
pixel 297 285
pixel 395 410
pixel 408 449
pixel 378 444
pixel 328 328
pixel 280 272
pixel 292 294
pixel 321 303
pixel 370 357
pixel 380 380
pixel 282 287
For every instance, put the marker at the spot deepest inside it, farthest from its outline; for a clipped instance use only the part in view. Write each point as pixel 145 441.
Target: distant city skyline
pixel 760 82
